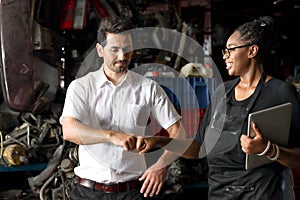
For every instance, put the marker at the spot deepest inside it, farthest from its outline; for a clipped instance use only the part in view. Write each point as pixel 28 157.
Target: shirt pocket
pixel 140 114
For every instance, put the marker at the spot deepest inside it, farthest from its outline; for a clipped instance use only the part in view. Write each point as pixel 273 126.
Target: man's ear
pixel 99 49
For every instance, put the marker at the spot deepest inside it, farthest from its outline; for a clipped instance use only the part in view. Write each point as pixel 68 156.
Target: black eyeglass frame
pixel 226 51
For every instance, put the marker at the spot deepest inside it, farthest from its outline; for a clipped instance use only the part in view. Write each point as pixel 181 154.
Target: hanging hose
pixel 43 188
pixel 1 145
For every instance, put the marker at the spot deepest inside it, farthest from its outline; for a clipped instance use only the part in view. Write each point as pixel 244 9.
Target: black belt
pixel 118 187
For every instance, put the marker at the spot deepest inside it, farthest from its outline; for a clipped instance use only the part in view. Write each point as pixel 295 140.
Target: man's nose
pixel 121 54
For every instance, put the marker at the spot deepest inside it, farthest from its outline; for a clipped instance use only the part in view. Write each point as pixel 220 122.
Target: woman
pixel 222 136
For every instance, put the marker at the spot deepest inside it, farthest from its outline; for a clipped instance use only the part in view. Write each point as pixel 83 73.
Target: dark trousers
pixel 84 193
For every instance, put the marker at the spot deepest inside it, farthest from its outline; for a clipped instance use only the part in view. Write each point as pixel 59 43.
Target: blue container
pixel 190 92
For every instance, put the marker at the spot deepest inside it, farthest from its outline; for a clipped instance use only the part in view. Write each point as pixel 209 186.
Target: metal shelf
pixel 30 167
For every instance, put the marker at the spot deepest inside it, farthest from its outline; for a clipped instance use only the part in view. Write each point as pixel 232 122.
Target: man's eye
pixel 115 50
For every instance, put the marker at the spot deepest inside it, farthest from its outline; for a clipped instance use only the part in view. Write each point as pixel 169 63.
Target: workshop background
pixel 45 44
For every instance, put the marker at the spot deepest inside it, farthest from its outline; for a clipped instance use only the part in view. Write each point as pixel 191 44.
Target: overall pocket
pixel 238 192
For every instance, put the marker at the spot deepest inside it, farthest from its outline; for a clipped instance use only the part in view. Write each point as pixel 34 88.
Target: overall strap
pixel 257 91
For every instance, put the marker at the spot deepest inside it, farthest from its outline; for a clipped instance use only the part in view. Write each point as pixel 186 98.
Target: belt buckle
pixel 118 187
pixel 111 188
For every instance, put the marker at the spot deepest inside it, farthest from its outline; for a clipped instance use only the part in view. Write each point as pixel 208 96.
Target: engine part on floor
pixel 58 179
pixel 36 182
pixel 67 167
pixel 37 135
pixel 14 154
pixel 185 172
pixel 73 154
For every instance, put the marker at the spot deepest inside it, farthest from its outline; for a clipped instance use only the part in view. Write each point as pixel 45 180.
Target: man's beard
pixel 119 69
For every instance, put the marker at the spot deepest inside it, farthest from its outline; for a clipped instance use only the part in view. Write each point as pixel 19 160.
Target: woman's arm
pixel 286 156
pixel 187 148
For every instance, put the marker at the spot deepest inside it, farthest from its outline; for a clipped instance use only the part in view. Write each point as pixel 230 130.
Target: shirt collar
pixel 102 79
pixel 129 78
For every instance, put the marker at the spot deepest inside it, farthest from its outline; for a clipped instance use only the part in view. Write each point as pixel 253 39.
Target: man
pixel 104 113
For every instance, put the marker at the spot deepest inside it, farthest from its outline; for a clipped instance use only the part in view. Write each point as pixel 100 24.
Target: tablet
pixel 274 124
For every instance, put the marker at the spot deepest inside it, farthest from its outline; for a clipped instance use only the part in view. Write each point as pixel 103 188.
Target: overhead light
pixel 296 4
pixel 277 2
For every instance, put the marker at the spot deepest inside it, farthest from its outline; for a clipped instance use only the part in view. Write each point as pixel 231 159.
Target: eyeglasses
pixel 226 51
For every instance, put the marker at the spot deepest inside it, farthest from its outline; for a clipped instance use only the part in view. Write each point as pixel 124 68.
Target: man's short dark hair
pixel 113 25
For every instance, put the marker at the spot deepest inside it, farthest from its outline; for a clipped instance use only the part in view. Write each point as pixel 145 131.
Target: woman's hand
pixel 145 144
pixel 254 145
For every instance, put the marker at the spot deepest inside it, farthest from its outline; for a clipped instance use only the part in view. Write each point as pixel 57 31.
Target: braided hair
pixel 262 32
